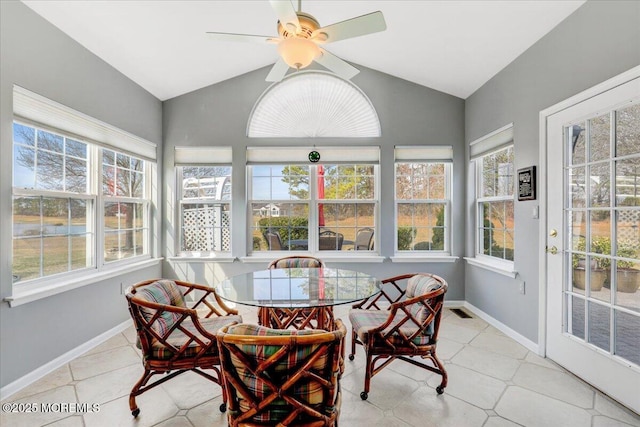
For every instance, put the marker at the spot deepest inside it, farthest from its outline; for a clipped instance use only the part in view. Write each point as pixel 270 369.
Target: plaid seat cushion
pixel 178 338
pixel 363 321
pixel 305 389
pixel 162 292
pixel 297 263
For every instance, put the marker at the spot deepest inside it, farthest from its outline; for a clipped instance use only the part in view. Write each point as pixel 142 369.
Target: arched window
pixel 313 104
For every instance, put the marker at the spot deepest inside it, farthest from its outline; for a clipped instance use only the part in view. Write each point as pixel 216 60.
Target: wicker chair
pixel 299 318
pixel 281 377
pixel 405 328
pixel 175 338
pixel 296 261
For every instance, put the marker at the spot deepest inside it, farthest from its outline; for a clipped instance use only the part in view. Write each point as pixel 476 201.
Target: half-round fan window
pixel 313 104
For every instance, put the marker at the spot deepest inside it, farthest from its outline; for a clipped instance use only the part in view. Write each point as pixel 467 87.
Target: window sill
pixel 207 258
pixel 424 258
pixel 500 267
pixel 325 258
pixel 36 292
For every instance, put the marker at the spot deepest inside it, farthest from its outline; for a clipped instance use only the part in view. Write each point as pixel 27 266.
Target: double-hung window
pixel 423 199
pixel 494 165
pixel 204 197
pixel 299 205
pixel 79 205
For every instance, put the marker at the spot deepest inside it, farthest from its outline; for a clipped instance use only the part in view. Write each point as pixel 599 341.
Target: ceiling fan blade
pixel 230 37
pixel 278 71
pixel 335 64
pixel 286 14
pixel 354 27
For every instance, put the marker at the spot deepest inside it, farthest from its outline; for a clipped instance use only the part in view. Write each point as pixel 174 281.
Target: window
pixel 81 198
pixel 495 204
pixel 339 201
pixel 61 222
pixel 422 198
pixel 494 165
pixel 204 197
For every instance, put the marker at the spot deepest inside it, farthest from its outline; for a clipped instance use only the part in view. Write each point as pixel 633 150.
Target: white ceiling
pixel 450 46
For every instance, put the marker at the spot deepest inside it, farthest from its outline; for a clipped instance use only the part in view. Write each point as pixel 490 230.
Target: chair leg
pixel 353 344
pixel 367 376
pixel 445 377
pixel 135 391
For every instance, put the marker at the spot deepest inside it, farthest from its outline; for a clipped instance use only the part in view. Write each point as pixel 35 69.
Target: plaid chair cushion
pixel 420 285
pixel 163 292
pixel 297 263
pixel 307 390
pixel 178 338
pixel 363 321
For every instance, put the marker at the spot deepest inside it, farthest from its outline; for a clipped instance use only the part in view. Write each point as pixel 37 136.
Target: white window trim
pixel 506 268
pixel 426 154
pixel 488 144
pixel 371 153
pixel 187 157
pixel 30 292
pixel 37 111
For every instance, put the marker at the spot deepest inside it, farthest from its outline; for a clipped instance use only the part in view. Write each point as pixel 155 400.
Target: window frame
pixel 51 284
pixel 180 201
pixel 448 176
pixel 313 203
pixel 493 261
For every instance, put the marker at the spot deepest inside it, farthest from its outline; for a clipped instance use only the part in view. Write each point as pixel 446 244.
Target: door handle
pixel 553 232
pixel 552 250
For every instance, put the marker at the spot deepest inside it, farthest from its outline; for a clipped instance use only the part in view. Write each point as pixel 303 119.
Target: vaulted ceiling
pixel 451 46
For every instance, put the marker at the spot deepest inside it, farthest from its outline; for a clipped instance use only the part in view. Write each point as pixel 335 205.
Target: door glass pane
pixel 578 187
pixel 599 137
pixel 627 336
pixel 628 181
pixel 599 185
pixel 627 283
pixel 575 313
pixel 599 325
pixel 577 143
pixel 627 130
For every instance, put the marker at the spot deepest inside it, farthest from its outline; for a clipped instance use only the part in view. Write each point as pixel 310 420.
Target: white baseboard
pixel 521 339
pixel 56 363
pixel 453 303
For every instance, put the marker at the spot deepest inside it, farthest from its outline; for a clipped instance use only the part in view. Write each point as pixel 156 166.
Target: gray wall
pixel 39 57
pixel 598 41
pixel 409 114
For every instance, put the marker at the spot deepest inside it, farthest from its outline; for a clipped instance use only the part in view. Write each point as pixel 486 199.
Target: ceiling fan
pixel 301 39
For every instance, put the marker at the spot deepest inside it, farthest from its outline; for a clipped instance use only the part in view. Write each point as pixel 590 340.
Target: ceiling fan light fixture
pixel 298 52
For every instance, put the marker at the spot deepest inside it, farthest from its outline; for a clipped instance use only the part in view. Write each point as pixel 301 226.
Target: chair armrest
pixel 223 309
pixel 384 296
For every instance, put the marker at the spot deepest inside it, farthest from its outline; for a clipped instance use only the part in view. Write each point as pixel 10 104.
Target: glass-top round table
pixel 298 297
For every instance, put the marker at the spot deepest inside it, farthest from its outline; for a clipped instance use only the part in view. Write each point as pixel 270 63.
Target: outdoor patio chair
pixel 400 323
pixel 281 377
pixel 273 241
pixel 283 317
pixel 176 336
pixel 329 240
pixel 364 239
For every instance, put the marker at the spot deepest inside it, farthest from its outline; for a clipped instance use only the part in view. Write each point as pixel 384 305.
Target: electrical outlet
pixel 522 288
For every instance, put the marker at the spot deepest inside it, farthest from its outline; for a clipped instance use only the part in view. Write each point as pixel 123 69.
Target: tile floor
pixel 493 382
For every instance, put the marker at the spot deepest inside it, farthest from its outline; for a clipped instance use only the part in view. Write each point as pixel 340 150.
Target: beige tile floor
pixel 493 382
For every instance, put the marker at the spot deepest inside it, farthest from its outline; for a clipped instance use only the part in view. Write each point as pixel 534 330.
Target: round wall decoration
pixel 314 157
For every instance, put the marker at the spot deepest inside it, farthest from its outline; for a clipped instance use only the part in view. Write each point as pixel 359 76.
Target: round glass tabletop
pixel 298 287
